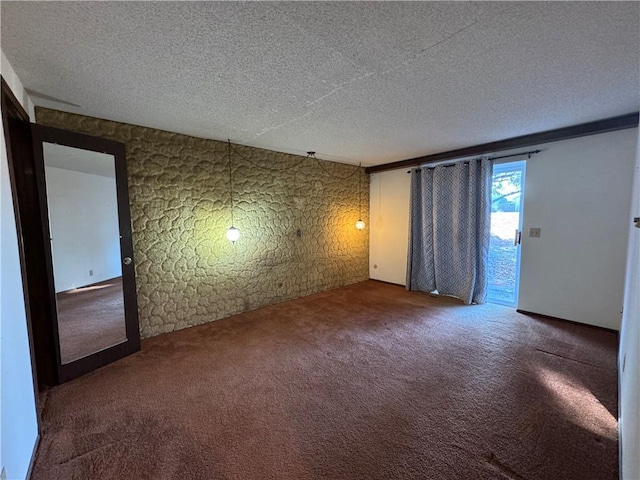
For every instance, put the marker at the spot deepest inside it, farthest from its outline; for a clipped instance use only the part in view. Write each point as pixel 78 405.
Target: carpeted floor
pixel 363 382
pixel 91 319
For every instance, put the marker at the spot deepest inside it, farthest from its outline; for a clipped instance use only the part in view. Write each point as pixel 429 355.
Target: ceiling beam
pixel 600 126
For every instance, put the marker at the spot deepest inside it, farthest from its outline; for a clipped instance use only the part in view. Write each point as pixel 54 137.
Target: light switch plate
pixel 534 232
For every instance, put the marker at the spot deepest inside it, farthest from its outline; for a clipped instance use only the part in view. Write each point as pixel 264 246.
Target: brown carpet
pixel 90 319
pixel 363 382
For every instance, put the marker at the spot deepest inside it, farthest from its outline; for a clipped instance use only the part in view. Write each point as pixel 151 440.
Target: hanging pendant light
pixel 360 223
pixel 233 234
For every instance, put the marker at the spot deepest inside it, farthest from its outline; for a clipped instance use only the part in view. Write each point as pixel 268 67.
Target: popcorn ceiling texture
pixel 187 272
pixel 367 81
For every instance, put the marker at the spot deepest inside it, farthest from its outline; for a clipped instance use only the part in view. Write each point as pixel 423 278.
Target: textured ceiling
pixel 369 82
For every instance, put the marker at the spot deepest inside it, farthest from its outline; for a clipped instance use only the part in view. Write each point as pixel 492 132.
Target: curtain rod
pixel 528 154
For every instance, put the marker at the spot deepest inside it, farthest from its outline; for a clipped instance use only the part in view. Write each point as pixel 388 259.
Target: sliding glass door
pixel 507 193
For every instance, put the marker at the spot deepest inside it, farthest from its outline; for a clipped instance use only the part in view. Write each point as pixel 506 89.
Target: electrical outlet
pixel 534 232
pixel 91 273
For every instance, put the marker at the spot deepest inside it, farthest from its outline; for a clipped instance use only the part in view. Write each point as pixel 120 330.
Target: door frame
pixel 41 134
pixel 17 132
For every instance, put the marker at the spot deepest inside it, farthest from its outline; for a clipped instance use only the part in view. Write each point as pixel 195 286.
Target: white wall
pixel 389 229
pixel 577 191
pixel 629 358
pixel 83 215
pixel 18 418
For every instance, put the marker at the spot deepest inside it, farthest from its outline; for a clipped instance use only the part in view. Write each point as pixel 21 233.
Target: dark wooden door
pixel 88 260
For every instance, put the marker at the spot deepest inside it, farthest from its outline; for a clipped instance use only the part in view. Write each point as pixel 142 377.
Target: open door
pixel 88 256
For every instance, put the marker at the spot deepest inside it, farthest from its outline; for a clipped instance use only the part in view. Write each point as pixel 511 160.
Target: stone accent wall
pixel 187 272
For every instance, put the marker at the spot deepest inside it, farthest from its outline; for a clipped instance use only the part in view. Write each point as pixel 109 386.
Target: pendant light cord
pixel 310 155
pixel 360 193
pixel 313 156
pixel 262 167
pixel 230 179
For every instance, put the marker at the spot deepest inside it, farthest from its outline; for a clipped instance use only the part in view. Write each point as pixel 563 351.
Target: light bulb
pixel 233 234
pixel 360 224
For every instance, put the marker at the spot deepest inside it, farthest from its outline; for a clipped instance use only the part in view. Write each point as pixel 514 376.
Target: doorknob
pixel 126 260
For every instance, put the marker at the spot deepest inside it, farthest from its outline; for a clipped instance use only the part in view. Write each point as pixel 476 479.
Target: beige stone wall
pixel 187 272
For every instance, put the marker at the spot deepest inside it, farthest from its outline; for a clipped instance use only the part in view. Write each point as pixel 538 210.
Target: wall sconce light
pixel 360 223
pixel 233 233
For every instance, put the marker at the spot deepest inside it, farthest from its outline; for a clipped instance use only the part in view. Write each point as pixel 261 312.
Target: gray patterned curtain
pixel 450 223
